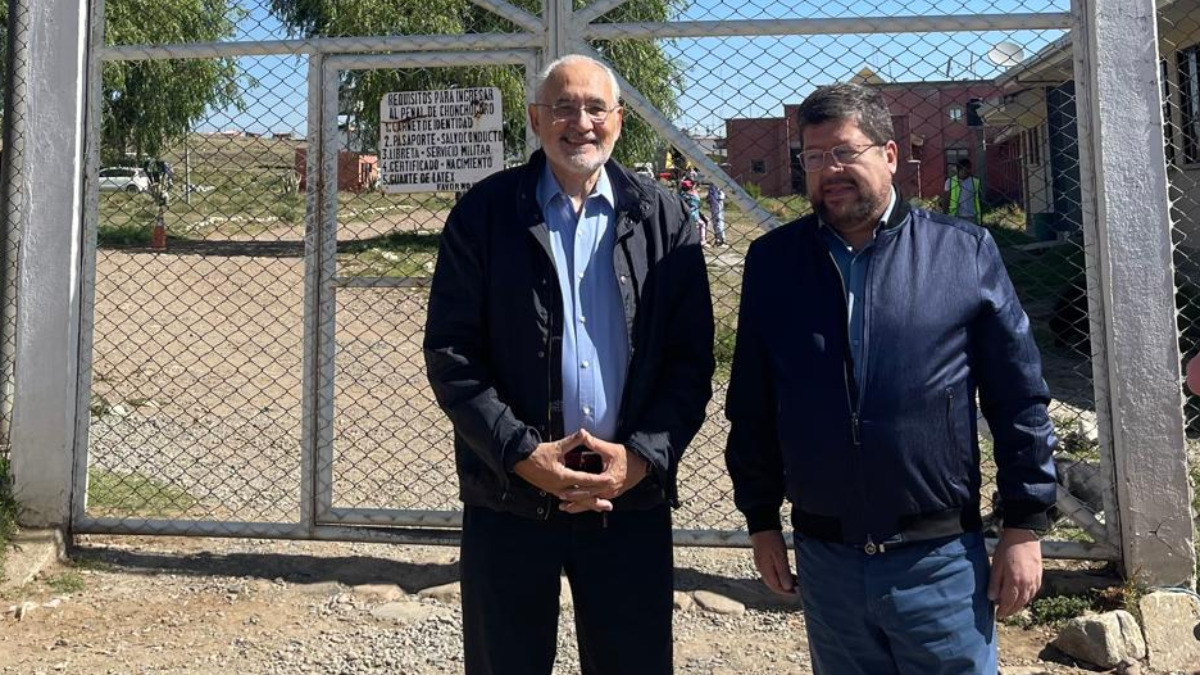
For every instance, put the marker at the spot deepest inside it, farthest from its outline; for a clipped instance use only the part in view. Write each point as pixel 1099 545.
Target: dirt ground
pixel 209 606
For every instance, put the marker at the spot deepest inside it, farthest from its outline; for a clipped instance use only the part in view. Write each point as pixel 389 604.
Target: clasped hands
pixel 579 491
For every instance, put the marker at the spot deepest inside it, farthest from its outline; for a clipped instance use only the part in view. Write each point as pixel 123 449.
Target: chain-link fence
pixel 14 49
pixel 248 358
pixel 1179 54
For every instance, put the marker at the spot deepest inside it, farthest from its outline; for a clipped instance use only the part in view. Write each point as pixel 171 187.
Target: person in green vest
pixel 962 194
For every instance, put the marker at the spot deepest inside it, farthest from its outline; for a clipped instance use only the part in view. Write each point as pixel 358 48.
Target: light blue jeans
pixel 918 609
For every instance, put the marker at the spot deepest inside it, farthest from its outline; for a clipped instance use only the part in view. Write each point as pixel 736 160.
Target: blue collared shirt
pixel 854 266
pixel 595 346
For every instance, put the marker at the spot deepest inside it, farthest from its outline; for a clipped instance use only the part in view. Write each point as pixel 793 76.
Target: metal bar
pixel 1070 550
pixel 381 282
pixel 594 11
pixel 313 209
pixel 260 530
pixel 1079 512
pixel 427 60
pixel 532 66
pixel 515 14
pixel 690 148
pixel 340 45
pixel 847 26
pixel 325 241
pixel 559 31
pixel 87 276
pixel 394 517
pixel 1117 75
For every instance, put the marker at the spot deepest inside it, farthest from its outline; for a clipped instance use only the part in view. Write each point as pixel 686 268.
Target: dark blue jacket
pixel 941 322
pixel 493 336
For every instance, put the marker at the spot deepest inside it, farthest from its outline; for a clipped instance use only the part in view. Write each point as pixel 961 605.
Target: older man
pixel 569 340
pixel 865 331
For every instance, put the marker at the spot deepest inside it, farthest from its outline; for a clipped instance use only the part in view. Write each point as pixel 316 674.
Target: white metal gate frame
pixel 560 31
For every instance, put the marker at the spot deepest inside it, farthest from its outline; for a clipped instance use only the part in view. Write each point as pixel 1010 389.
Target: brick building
pixel 930 120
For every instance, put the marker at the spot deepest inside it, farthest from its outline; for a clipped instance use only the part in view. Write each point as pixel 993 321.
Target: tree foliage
pixel 643 63
pixel 148 105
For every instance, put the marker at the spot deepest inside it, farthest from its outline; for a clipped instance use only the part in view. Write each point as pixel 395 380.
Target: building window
pixel 758 166
pixel 952 157
pixel 956 113
pixel 1189 102
pixel 1033 146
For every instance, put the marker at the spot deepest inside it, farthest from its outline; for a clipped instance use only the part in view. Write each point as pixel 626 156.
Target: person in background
pixel 691 201
pixel 865 331
pixel 569 340
pixel 962 198
pixel 716 213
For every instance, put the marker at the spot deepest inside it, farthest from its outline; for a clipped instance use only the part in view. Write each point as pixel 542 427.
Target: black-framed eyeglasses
pixel 562 112
pixel 843 155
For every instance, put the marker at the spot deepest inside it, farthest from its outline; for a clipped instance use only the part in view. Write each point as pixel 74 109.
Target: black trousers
pixel 621 573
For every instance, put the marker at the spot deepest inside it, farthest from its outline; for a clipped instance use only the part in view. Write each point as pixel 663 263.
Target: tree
pixel 149 105
pixel 643 63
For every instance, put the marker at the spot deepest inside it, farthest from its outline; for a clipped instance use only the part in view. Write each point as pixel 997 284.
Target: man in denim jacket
pixel 865 331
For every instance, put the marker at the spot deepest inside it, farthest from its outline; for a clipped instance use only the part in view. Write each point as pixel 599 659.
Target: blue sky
pixel 724 77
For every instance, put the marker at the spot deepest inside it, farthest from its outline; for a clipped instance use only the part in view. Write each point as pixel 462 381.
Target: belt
pixel 908 530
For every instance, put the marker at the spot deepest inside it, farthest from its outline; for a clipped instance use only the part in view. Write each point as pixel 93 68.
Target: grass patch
pixel 8 511
pixel 66 582
pixel 133 494
pixel 1056 610
pixel 396 254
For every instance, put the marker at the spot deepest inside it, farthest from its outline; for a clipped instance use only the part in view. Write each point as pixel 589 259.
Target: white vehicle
pixel 124 179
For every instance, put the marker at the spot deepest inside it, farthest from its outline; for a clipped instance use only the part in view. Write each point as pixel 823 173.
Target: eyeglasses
pixel 563 112
pixel 814 160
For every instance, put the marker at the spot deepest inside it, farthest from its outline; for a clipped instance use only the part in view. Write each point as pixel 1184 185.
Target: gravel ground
pixel 254 607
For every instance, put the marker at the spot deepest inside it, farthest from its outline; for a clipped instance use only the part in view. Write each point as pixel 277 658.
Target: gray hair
pixel 570 59
pixel 835 102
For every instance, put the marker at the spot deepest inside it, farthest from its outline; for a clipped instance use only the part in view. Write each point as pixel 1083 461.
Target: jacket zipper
pixel 854 399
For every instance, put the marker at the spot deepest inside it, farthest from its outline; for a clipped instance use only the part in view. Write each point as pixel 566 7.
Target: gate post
pixel 1123 171
pixel 49 281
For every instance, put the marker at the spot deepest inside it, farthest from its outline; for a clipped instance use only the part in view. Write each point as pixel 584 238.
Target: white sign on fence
pixel 439 141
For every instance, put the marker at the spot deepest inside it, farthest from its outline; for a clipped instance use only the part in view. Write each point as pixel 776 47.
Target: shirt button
pixel 624 278
pixel 587 410
pixel 583 319
pixel 541 354
pixel 580 275
pixel 584 364
pixel 541 510
pixel 542 493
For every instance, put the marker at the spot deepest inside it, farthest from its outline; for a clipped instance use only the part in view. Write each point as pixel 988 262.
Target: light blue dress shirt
pixel 854 266
pixel 595 347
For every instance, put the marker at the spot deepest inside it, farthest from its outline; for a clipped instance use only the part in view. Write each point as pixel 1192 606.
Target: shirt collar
pixel 548 188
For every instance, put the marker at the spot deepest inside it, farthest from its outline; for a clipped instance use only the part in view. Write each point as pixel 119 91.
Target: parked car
pixel 124 179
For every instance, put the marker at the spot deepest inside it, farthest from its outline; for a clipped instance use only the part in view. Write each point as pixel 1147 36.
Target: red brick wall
pixel 763 140
pixel 355 171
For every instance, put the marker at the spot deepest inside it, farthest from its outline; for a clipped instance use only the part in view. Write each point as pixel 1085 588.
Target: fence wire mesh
pixel 1179 62
pixel 198 350
pixel 14 49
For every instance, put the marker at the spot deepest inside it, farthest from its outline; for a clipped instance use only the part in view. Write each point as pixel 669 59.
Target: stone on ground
pixel 446 593
pixel 718 604
pixel 1172 623
pixel 1102 640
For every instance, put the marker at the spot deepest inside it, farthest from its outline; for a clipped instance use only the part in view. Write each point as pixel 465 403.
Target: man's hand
pixel 622 471
pixel 1016 571
pixel 547 470
pixel 771 559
